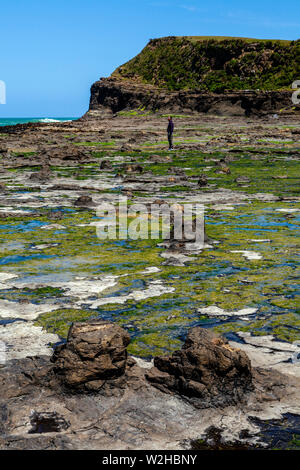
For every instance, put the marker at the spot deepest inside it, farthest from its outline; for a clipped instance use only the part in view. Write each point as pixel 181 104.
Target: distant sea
pixel 13 121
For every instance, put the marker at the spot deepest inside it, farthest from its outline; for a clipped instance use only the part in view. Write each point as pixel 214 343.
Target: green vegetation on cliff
pixel 215 64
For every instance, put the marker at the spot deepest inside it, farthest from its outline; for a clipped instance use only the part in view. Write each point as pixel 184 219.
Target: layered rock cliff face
pixel 228 76
pixel 109 96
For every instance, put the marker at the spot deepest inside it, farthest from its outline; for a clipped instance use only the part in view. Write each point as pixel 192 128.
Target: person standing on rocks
pixel 170 130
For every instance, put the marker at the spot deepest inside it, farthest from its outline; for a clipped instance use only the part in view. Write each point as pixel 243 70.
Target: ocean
pixel 13 121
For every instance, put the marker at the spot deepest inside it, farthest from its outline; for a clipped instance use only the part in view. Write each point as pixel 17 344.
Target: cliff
pixel 195 74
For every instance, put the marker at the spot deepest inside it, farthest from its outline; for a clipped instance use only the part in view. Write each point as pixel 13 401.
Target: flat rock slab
pixel 137 417
pixel 23 339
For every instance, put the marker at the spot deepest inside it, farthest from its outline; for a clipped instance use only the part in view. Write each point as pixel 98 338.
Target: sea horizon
pixel 12 121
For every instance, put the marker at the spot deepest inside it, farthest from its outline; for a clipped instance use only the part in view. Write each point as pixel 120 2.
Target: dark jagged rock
pixel 206 370
pixel 69 153
pixel 127 411
pixel 202 181
pixel 41 176
pixel 134 168
pixel 47 422
pixel 105 164
pixel 19 378
pixel 223 169
pixel 188 234
pixel 126 148
pixel 95 352
pixel 65 187
pixel 84 201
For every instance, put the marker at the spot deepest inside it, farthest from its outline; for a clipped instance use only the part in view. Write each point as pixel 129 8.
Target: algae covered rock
pixel 206 370
pixel 240 180
pixel 202 181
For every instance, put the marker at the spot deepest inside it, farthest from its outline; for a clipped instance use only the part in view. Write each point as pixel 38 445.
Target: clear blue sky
pixel 53 50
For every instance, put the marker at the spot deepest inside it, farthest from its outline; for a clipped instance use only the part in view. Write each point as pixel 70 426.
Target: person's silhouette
pixel 170 130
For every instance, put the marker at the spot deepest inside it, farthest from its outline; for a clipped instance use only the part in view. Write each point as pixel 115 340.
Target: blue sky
pixel 52 51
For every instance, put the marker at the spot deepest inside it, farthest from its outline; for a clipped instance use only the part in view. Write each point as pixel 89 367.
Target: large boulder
pixel 95 352
pixel 207 371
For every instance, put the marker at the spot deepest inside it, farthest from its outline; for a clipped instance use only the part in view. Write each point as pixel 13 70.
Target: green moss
pixel 135 112
pixel 36 295
pixel 23 154
pixel 93 144
pixel 294 443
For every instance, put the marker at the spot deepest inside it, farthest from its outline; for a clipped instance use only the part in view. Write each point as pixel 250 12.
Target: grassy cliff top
pixel 230 38
pixel 215 64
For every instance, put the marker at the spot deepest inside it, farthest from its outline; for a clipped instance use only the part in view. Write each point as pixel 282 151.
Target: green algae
pixel 92 144
pixel 285 327
pixel 153 344
pixel 215 277
pixel 36 295
pixel 59 321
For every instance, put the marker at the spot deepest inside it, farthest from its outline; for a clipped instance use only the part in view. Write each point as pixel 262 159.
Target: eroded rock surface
pixel 206 369
pixel 94 353
pixel 110 95
pixel 37 412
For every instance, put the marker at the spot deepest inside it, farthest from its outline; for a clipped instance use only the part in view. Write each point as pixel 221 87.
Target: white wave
pixel 54 120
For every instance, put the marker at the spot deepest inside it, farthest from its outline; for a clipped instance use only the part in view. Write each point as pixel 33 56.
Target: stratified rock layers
pixel 111 95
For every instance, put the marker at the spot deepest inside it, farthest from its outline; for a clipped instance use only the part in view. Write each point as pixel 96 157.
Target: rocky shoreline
pixel 54 272
pixel 91 395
